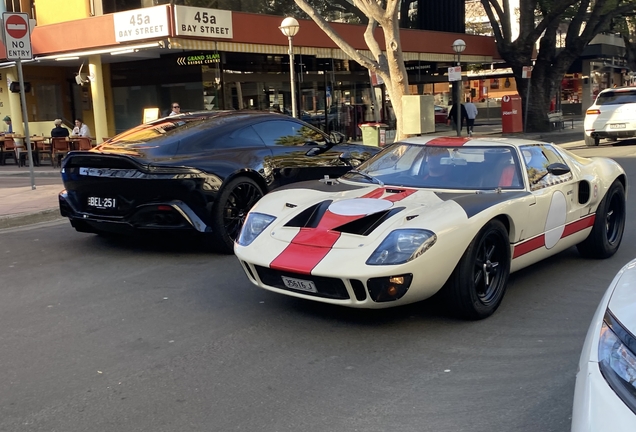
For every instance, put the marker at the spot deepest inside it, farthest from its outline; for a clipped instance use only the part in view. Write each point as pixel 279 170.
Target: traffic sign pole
pixel 17 41
pixel 526 74
pixel 26 122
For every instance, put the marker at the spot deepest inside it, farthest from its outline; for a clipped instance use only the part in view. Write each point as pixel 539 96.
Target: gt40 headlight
pixel 253 226
pixel 401 246
pixel 617 360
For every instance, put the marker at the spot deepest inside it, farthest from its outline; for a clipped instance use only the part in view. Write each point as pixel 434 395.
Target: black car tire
pixel 230 210
pixel 592 142
pixel 609 224
pixel 478 283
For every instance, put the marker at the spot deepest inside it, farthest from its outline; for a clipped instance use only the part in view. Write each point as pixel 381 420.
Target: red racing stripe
pixel 311 245
pixel 539 242
pixel 579 225
pixel 528 246
pixel 448 141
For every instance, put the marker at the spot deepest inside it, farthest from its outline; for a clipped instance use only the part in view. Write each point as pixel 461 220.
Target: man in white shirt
pixel 80 129
pixel 176 109
pixel 471 113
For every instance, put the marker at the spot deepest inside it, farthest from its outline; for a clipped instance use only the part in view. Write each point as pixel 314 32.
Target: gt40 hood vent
pixel 362 225
pixel 311 216
pixel 365 225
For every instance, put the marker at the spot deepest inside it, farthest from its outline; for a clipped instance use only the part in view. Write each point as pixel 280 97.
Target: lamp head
pixel 289 27
pixel 459 46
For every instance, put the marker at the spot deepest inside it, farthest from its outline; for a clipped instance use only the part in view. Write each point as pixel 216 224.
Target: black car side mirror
pixel 315 151
pixel 558 169
pixel 336 138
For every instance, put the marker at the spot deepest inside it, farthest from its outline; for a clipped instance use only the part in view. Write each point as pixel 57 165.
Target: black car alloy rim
pixel 238 204
pixel 614 219
pixel 487 270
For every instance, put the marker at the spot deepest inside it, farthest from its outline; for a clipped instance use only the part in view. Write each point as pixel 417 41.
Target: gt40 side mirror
pixel 558 169
pixel 348 159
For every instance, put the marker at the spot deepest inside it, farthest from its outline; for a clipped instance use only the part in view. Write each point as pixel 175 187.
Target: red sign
pixel 16 26
pixel 17 36
pixel 511 120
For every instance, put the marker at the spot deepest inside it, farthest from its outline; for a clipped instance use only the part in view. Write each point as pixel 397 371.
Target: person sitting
pixel 176 109
pixel 59 131
pixel 436 172
pixel 7 120
pixel 81 129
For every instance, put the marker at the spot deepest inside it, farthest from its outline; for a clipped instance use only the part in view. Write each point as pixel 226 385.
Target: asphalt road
pixel 101 335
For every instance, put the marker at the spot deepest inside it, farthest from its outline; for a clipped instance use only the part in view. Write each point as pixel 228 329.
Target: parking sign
pixel 17 36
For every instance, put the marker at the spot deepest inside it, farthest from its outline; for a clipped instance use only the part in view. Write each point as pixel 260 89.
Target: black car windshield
pixel 165 127
pixel 617 97
pixel 415 165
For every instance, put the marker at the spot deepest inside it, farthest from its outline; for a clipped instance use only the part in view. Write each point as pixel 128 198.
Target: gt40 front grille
pixel 326 287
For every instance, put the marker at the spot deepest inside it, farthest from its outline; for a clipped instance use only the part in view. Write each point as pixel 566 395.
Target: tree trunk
pixel 397 79
pixel 538 104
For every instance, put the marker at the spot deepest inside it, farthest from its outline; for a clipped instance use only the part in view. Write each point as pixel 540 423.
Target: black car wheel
pixel 229 213
pixel 478 283
pixel 609 224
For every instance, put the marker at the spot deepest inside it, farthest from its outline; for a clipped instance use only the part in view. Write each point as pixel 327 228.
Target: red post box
pixel 511 120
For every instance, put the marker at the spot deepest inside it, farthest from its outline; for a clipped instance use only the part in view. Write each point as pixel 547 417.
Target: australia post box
pixel 511 120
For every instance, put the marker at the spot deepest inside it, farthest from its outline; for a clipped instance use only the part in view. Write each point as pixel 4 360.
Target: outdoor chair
pixel 59 149
pixel 9 150
pixel 43 148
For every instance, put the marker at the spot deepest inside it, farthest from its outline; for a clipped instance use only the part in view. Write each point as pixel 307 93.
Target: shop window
pixel 48 102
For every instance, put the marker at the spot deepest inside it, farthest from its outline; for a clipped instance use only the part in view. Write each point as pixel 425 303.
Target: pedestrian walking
pixel 452 116
pixel 471 114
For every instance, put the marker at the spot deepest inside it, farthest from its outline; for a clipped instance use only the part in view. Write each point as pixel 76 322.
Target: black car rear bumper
pixel 171 215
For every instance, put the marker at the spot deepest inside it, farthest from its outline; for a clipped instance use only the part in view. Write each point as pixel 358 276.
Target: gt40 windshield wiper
pixel 368 177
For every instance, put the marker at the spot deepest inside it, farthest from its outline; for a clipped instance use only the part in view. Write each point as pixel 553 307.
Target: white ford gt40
pixel 433 213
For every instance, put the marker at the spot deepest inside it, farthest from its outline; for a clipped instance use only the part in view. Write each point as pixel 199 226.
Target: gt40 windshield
pixel 437 167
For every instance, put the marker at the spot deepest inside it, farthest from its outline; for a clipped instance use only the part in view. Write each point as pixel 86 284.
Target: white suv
pixel 613 115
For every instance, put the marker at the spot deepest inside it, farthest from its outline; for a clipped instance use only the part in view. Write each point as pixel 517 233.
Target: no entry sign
pixel 17 37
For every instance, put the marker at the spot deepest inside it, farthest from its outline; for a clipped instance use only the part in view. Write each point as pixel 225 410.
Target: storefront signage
pixel 142 23
pixel 201 22
pixel 199 59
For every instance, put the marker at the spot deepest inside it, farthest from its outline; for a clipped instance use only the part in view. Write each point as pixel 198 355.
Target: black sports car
pixel 198 171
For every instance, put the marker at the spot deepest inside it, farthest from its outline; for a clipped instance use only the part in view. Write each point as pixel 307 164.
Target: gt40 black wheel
pixel 229 213
pixel 609 224
pixel 478 283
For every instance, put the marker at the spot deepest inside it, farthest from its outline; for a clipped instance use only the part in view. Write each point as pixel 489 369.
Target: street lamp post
pixel 290 28
pixel 459 46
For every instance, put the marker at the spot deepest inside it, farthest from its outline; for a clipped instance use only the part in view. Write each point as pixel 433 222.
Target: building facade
pixel 112 67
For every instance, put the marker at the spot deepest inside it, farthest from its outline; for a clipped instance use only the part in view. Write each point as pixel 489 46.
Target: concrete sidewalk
pixel 20 204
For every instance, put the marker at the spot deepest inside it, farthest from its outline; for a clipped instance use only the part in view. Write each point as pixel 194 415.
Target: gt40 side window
pixel 537 159
pixel 288 133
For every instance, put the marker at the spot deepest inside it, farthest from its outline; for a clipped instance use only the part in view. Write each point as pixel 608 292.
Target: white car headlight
pixel 401 246
pixel 253 226
pixel 617 360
